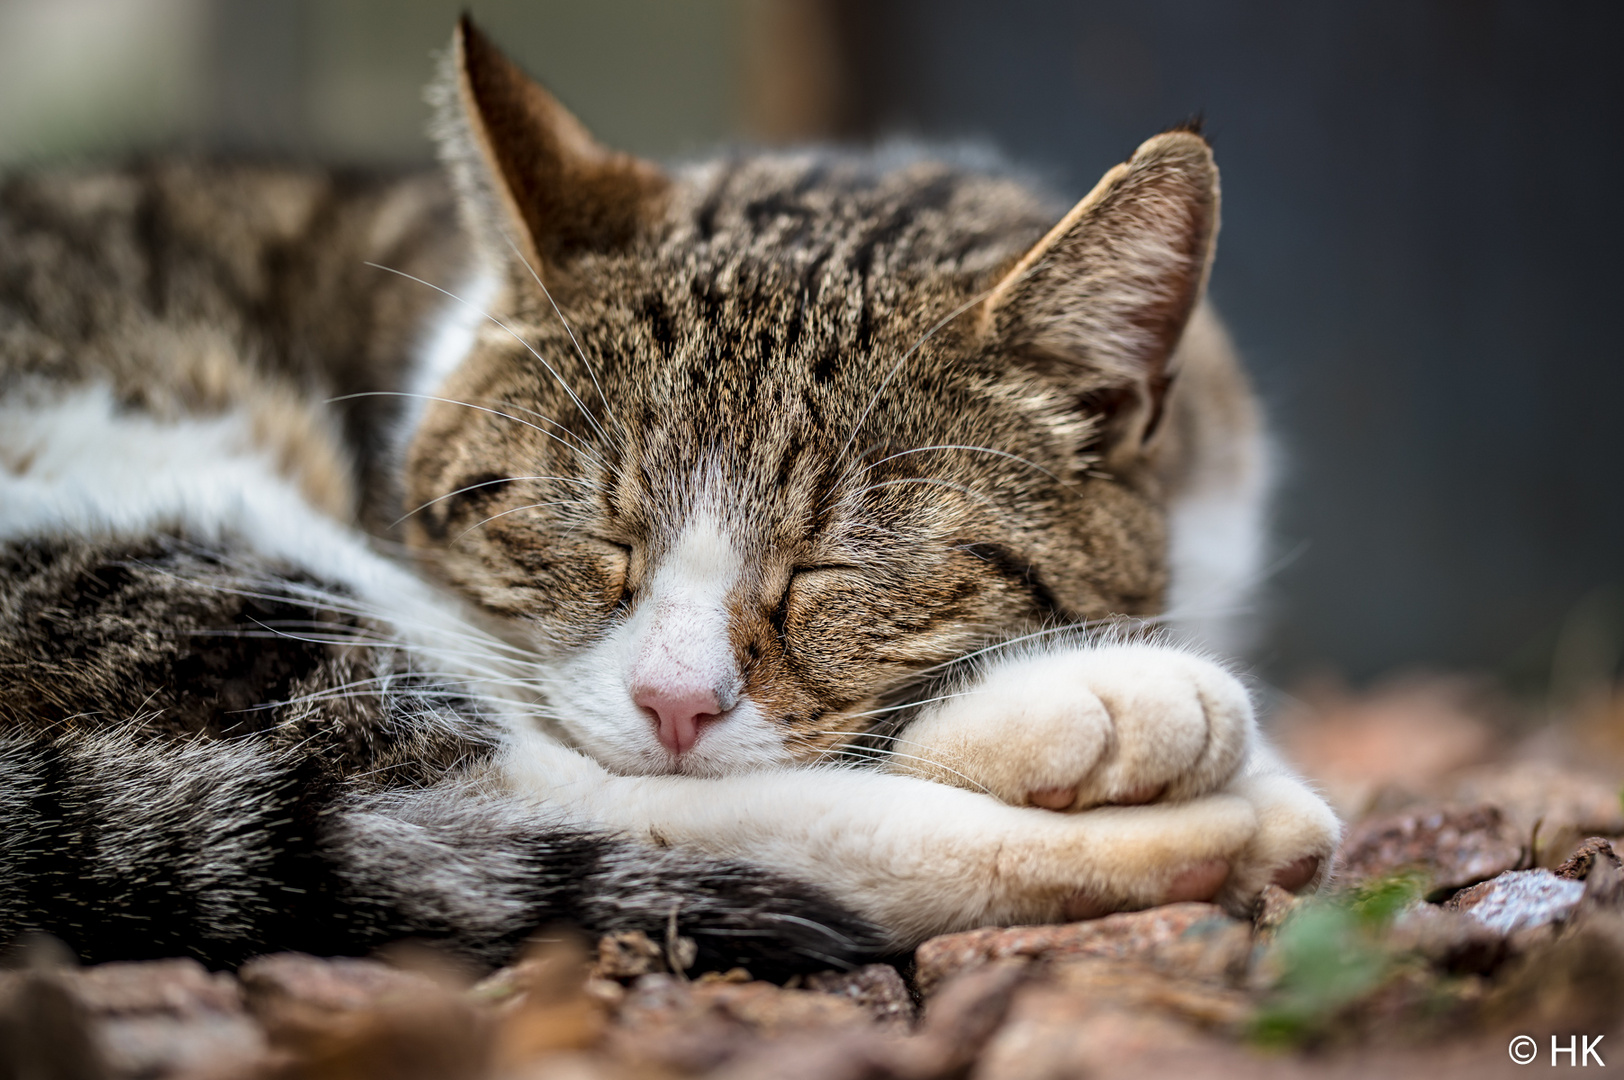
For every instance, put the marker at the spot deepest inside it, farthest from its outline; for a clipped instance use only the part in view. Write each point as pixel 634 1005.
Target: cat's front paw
pixel 1078 728
pixel 1297 833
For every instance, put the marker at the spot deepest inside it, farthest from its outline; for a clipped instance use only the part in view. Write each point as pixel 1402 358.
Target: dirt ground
pixel 1475 928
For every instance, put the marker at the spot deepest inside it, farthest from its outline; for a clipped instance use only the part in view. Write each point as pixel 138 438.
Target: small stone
pixel 846 1055
pixel 1273 906
pixel 1577 866
pixel 1562 800
pixel 1129 985
pixel 691 1027
pixel 772 1010
pixel 45 1031
pixel 163 1017
pixel 351 1017
pixel 1124 935
pixel 1449 846
pixel 295 992
pixel 573 1065
pixel 428 1035
pixel 1447 938
pixel 181 987
pixel 1574 982
pixel 877 988
pixel 1092 1016
pixel 1217 950
pixel 1518 900
pixel 731 975
pixel 1604 886
pixel 167 1045
pixel 662 1025
pixel 628 955
pixel 963 1014
pixel 1053 1033
pixel 166 1017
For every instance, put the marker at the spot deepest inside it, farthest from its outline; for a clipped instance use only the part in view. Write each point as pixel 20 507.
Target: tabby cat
pixel 769 551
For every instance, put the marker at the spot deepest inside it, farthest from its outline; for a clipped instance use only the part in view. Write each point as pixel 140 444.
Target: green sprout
pixel 1330 957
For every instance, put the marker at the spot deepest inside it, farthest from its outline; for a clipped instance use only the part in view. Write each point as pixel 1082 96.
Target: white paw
pixel 1019 866
pixel 1297 832
pixel 1079 728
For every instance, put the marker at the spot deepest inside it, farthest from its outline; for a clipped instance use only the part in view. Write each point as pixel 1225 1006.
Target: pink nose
pixel 677 713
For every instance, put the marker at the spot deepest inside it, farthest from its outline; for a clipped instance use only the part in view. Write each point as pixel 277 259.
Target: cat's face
pixel 787 444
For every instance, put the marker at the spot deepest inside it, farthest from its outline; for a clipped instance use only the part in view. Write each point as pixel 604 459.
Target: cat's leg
pixel 918 858
pixel 1087 725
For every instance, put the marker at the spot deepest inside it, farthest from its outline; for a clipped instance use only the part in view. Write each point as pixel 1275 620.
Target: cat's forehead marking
pixel 689 499
pixel 704 553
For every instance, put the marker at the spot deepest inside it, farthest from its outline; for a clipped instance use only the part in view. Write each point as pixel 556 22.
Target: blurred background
pixel 1422 230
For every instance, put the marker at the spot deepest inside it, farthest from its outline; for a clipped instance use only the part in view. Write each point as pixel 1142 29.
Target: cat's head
pixel 747 446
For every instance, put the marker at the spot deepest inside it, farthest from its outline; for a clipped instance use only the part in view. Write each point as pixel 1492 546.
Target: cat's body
pixel 751 467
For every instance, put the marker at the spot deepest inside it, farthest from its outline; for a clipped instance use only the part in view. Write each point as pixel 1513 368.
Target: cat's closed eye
pixel 819 574
pixel 615 560
pixel 807 584
pixel 824 568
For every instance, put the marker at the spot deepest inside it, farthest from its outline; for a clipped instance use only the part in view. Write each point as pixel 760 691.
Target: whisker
pixel 354 689
pixel 927 480
pixel 915 347
pixel 1196 607
pixel 608 408
pixel 586 412
pixel 490 648
pixel 955 446
pixel 1089 624
pixel 479 408
pixel 273 631
pixel 579 445
pixel 360 637
pixel 505 513
pixel 869 754
pixel 487 483
pixel 912 704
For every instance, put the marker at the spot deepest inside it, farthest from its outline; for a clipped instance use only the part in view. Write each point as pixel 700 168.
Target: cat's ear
pixel 528 172
pixel 1101 301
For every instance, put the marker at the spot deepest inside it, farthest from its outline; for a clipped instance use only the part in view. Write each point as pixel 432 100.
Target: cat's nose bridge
pixel 683 673
pixel 682 670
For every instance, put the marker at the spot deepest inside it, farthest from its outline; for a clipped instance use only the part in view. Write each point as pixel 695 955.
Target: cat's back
pixel 186 290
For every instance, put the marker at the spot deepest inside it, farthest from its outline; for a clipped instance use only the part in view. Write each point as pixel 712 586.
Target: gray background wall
pixel 1421 252
pixel 1423 227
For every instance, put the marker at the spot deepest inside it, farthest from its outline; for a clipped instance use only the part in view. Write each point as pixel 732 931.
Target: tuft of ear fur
pixel 526 169
pixel 1100 303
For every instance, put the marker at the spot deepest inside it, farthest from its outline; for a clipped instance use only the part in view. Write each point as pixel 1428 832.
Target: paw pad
pixel 1200 882
pixel 1297 873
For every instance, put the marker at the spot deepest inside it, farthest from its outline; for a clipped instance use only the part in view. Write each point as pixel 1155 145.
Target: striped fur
pixel 339 606
pixel 186 775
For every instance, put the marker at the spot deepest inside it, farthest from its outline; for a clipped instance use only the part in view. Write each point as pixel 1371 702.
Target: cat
pixel 770 551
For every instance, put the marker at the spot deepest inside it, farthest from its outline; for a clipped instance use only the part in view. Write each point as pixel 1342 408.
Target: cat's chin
pixel 720 753
pixel 698 766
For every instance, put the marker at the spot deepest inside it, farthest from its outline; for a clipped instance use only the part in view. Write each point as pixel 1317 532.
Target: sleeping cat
pixel 768 552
